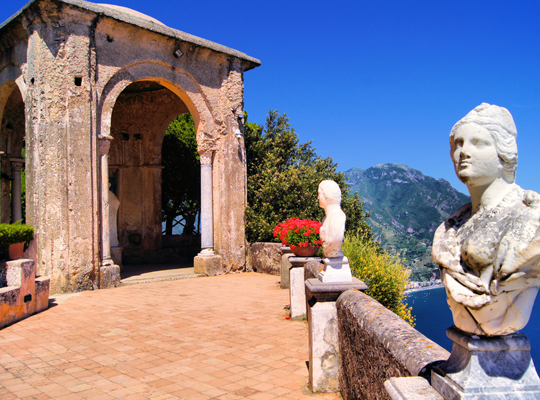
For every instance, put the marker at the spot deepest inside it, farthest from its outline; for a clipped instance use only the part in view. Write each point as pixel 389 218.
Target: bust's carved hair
pixel 500 124
pixel 331 191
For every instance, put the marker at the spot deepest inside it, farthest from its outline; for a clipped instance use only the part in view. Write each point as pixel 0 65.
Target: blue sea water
pixel 433 317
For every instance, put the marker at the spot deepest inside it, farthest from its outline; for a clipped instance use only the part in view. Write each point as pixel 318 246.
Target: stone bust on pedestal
pixel 333 224
pixel 332 232
pixel 489 255
pixel 489 250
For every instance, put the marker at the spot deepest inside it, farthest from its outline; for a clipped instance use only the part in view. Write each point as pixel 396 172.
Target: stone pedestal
pixel 411 388
pixel 323 332
pixel 297 293
pixel 482 368
pixel 109 275
pixel 285 266
pixel 209 265
pixel 116 255
pixel 336 270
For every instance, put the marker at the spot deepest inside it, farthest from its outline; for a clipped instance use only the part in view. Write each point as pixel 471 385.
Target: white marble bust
pixel 333 224
pixel 489 250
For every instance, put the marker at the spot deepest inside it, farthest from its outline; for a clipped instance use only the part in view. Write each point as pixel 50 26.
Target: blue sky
pixel 373 82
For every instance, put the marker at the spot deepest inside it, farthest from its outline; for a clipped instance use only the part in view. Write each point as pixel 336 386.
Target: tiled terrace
pixel 224 337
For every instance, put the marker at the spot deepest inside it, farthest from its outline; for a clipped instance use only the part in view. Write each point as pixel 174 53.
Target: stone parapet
pixel 369 331
pixel 21 292
pixel 265 257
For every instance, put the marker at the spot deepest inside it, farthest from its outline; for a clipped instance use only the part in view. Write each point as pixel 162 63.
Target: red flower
pixel 298 232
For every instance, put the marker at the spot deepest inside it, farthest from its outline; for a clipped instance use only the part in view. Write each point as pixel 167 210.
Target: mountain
pixel 406 208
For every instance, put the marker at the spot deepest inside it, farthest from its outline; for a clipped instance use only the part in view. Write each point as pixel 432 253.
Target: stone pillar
pixel 16 203
pixel 297 292
pixel 207 262
pixel 109 273
pixel 324 359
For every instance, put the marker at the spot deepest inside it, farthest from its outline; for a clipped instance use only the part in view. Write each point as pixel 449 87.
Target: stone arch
pixel 188 93
pixel 10 79
pixel 12 137
pixel 174 79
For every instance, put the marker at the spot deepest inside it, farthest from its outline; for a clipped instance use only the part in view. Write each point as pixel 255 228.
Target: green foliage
pixel 181 188
pixel 283 177
pixel 385 275
pixel 15 233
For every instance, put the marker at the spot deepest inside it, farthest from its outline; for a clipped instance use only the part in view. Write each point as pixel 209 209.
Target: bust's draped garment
pixel 490 263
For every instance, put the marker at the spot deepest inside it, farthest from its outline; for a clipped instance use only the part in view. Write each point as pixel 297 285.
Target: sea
pixel 433 317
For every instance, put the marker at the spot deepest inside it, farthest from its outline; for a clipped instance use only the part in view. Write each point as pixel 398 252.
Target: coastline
pixel 409 291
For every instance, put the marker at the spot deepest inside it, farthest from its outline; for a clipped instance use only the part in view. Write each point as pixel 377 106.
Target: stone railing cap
pixel 320 291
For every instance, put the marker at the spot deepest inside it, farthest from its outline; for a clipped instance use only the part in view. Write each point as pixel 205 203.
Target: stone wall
pixel 375 345
pixel 264 257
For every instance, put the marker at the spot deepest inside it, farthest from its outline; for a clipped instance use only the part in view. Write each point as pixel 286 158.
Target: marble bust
pixel 333 224
pixel 489 250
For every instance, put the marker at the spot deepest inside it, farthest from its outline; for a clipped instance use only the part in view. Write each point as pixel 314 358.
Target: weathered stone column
pixel 103 151
pixel 206 216
pixel 207 262
pixel 109 273
pixel 16 204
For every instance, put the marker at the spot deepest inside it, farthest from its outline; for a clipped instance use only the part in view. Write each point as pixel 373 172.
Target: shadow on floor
pixel 143 273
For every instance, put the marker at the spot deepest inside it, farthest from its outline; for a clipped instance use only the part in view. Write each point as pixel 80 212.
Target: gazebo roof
pixel 143 21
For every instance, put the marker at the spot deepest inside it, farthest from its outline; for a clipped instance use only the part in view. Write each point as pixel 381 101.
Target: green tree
pixel 283 176
pixel 181 187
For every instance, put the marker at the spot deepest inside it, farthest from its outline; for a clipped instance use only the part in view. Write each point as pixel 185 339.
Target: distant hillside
pixel 406 207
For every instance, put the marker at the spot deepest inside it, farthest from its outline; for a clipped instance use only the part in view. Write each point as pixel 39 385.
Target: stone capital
pixel 16 163
pixel 206 157
pixel 104 143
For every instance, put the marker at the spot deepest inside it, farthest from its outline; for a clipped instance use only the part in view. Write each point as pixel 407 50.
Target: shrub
pixel 385 275
pixel 15 233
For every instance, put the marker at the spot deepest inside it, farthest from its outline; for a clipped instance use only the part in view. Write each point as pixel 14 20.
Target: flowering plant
pixel 298 232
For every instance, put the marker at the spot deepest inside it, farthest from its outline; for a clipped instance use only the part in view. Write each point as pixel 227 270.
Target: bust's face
pixel 475 156
pixel 322 198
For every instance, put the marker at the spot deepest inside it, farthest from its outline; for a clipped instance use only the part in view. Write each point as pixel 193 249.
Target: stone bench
pixel 21 292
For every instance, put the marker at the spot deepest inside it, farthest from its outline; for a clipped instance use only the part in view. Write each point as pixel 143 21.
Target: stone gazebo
pixel 86 94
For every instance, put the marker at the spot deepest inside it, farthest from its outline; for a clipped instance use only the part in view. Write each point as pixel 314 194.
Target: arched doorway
pixel 12 133
pixel 140 117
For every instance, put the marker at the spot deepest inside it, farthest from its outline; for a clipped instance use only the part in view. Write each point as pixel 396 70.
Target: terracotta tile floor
pixel 222 337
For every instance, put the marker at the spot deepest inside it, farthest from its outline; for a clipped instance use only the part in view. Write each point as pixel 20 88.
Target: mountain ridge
pixel 406 208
